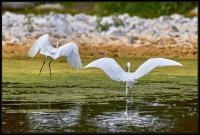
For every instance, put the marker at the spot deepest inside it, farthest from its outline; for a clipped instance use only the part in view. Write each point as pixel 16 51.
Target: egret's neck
pixel 57 45
pixel 128 68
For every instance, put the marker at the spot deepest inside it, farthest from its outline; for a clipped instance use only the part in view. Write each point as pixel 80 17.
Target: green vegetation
pixel 21 82
pixel 142 9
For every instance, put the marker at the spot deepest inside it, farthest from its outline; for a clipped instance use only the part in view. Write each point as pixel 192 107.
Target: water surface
pixel 105 117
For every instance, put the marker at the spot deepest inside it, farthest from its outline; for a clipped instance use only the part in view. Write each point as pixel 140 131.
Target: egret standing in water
pixel 115 72
pixel 44 47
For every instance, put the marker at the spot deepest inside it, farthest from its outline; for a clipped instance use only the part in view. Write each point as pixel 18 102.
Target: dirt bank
pixel 114 51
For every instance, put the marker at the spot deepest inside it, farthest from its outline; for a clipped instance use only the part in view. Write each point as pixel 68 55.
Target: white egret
pixel 44 47
pixel 115 72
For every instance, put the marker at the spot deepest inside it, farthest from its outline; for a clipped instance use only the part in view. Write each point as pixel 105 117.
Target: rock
pixel 123 16
pixel 107 21
pixel 175 29
pixel 195 19
pixel 81 17
pixel 164 18
pixel 115 31
pixel 58 21
pixel 40 22
pixel 176 17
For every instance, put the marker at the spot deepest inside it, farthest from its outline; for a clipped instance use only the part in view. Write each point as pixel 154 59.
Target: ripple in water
pixel 54 121
pixel 130 121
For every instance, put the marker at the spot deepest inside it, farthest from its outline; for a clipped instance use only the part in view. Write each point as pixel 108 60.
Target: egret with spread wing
pixel 115 72
pixel 44 47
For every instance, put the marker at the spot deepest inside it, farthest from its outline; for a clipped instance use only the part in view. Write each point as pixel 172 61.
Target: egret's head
pixel 129 65
pixel 58 44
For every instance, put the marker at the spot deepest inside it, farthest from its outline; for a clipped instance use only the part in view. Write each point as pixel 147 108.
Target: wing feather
pixel 115 72
pixel 151 64
pixel 43 45
pixel 70 50
pixel 111 68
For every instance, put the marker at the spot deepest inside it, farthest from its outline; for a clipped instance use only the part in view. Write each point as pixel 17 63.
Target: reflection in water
pixel 46 117
pixel 54 121
pixel 131 121
pixel 113 116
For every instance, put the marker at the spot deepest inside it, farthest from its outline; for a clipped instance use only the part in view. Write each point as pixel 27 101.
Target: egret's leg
pixel 50 68
pixel 126 111
pixel 129 95
pixel 126 105
pixel 126 88
pixel 42 65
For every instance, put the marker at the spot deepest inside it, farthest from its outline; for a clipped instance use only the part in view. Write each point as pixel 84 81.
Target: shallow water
pixel 113 116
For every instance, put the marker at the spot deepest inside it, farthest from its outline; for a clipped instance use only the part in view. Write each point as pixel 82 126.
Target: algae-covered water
pixel 164 101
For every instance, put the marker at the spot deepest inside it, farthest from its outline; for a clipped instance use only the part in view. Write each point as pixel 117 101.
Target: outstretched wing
pixel 111 68
pixel 151 64
pixel 71 51
pixel 42 44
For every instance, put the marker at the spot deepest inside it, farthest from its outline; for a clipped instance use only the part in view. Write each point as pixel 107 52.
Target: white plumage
pixel 69 50
pixel 44 47
pixel 115 72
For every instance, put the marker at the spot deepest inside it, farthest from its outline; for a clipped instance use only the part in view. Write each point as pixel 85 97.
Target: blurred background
pixel 141 9
pixel 109 24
